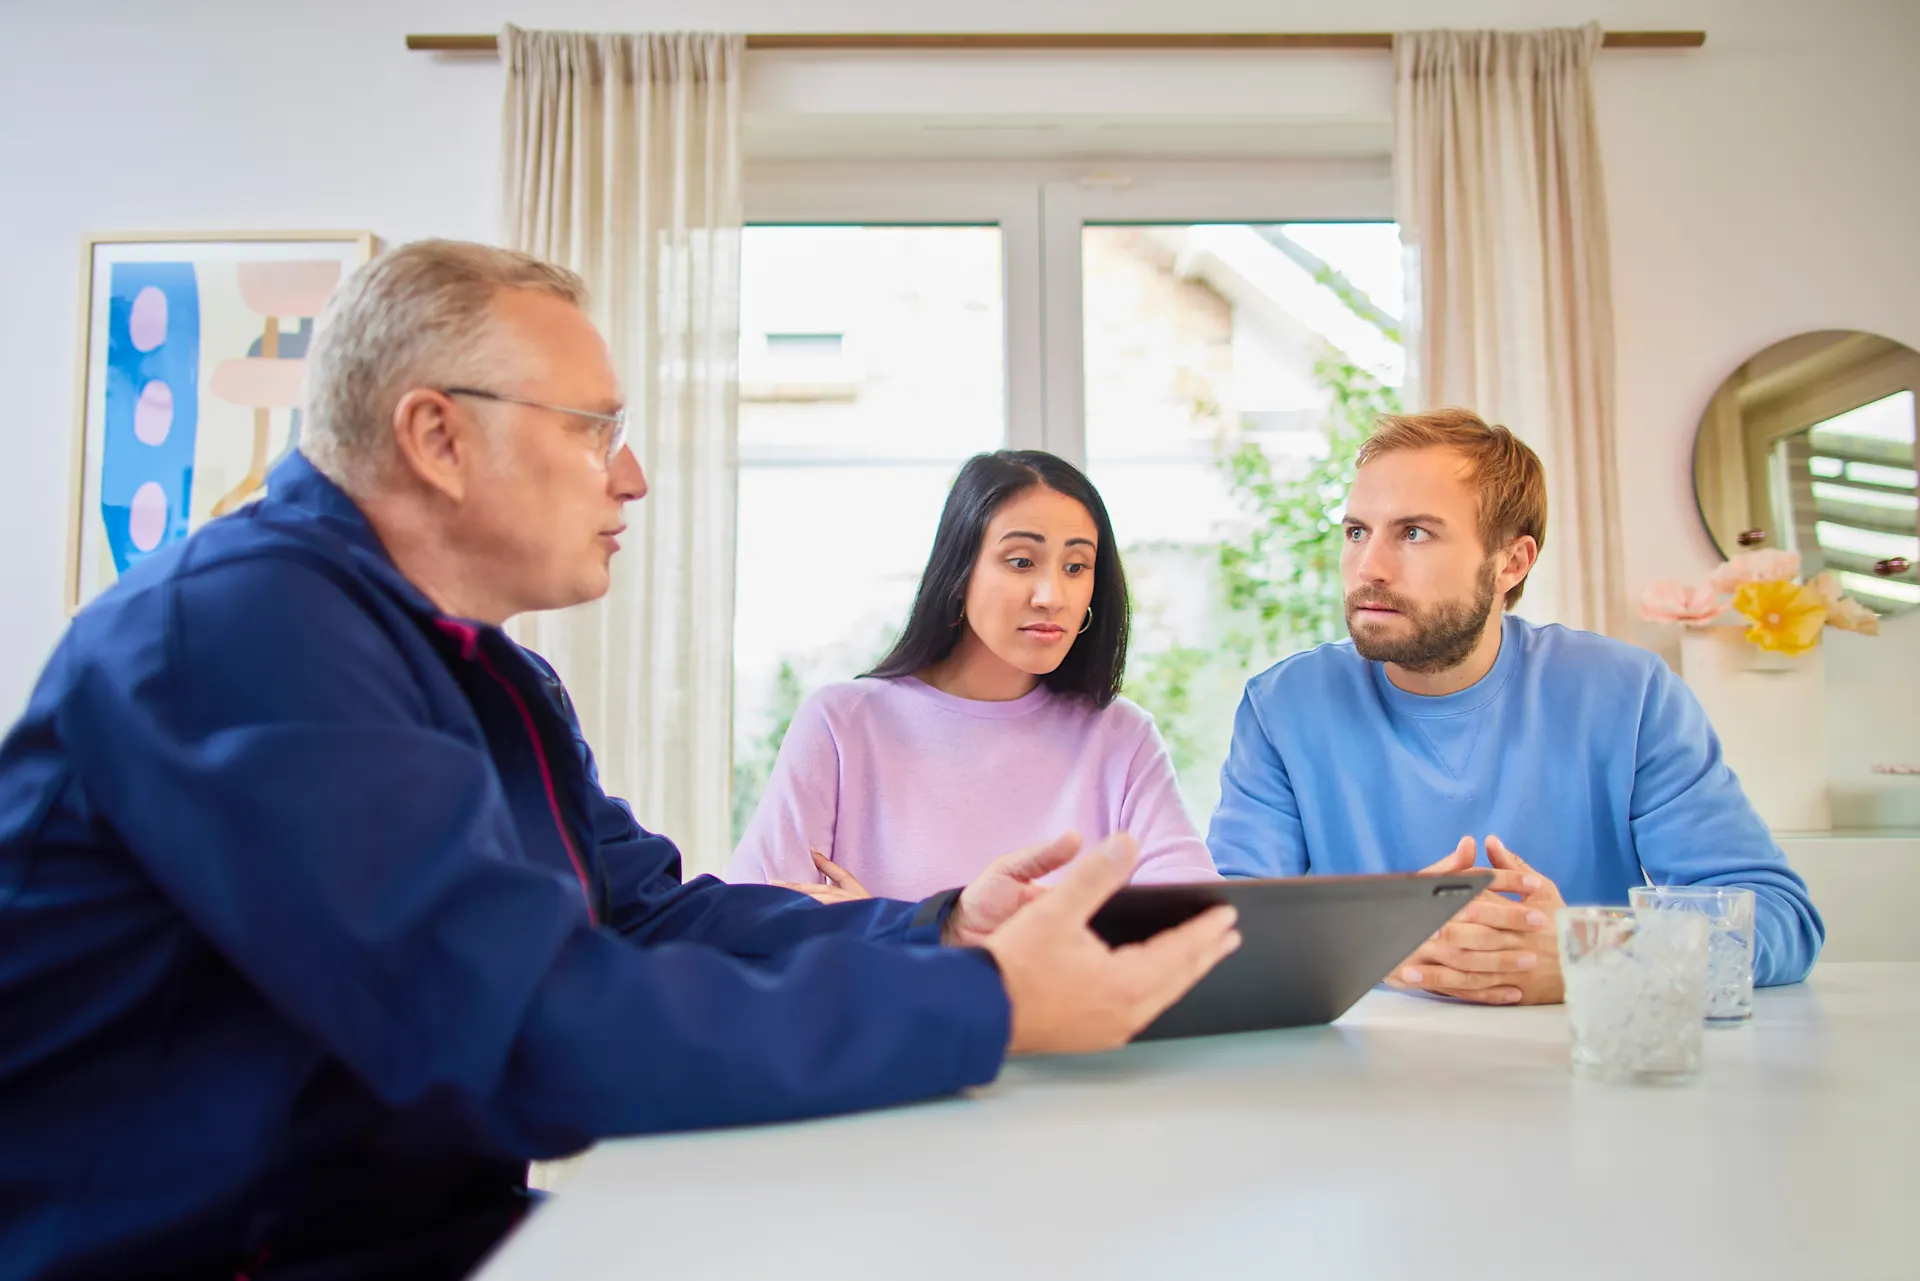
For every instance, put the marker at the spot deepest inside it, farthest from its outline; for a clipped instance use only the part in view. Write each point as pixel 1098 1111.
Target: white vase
pixel 1770 711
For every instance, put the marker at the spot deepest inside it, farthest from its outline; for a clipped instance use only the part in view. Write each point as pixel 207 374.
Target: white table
pixel 1410 1139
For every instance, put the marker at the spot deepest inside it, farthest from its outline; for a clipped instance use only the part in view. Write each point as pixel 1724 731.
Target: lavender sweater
pixel 915 791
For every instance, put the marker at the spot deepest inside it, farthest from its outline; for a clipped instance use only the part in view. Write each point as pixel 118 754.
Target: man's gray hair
pixel 416 316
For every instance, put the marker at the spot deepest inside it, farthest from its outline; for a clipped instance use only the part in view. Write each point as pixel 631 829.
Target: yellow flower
pixel 1787 617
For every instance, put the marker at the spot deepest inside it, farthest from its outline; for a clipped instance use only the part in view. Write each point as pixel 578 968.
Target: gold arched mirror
pixel 1809 446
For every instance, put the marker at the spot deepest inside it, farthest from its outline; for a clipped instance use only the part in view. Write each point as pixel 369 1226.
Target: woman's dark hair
pixel 1093 667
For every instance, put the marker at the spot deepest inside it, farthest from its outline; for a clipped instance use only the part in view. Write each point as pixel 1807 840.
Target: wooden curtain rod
pixel 1111 40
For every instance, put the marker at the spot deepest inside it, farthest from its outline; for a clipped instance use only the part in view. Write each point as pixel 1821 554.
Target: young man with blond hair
pixel 1445 714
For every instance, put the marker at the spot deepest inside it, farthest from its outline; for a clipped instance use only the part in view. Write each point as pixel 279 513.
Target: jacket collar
pixel 301 491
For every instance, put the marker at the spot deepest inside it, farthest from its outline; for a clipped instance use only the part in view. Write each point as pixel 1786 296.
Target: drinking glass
pixel 1636 981
pixel 1729 913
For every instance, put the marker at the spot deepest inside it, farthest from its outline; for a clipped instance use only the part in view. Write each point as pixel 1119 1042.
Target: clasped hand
pixel 1497 950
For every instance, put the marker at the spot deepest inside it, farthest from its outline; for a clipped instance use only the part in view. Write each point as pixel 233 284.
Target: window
pixel 790 366
pixel 1179 339
pixel 1211 355
pixel 872 365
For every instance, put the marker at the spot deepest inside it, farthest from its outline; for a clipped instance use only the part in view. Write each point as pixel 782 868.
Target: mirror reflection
pixel 1809 446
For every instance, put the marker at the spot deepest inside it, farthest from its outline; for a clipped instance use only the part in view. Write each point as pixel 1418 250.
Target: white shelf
pixel 1866 884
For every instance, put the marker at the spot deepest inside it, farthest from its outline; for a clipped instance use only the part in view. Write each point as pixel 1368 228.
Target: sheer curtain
pixel 621 160
pixel 1502 208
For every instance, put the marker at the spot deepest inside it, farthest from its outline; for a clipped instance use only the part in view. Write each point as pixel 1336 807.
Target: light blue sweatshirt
pixel 1587 757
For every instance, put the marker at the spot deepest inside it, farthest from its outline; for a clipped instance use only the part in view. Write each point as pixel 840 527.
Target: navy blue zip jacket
pixel 315 926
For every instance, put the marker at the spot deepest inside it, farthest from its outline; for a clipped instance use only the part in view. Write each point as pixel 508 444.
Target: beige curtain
pixel 1501 206
pixel 622 161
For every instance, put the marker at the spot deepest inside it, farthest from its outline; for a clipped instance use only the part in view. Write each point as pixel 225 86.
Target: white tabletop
pixel 1410 1139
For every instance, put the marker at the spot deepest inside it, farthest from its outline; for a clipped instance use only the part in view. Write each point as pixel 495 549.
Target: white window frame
pixel 867 195
pixel 1041 209
pixel 1340 191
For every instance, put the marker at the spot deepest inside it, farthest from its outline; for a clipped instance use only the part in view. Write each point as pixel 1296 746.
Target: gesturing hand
pixel 1495 951
pixel 1069 991
pixel 1004 888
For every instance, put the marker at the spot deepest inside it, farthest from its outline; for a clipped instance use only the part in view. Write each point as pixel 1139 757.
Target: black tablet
pixel 1312 945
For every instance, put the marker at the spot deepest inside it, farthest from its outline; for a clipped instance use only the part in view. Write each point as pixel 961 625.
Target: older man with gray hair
pixel 315 925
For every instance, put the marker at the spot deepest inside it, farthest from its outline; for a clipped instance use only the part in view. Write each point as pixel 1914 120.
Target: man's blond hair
pixel 418 315
pixel 1507 475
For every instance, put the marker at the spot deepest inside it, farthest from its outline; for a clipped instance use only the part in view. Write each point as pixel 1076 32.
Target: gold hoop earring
pixel 963 616
pixel 1085 625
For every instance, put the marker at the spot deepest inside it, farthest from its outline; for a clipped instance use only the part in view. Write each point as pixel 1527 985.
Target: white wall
pixel 1759 187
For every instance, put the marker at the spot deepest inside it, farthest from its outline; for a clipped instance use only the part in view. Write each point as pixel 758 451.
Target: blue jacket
pixel 315 926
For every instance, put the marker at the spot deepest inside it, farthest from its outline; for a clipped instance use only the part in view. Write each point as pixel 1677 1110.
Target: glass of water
pixel 1636 991
pixel 1729 913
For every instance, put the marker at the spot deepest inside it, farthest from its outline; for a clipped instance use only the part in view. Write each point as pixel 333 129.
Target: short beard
pixel 1442 636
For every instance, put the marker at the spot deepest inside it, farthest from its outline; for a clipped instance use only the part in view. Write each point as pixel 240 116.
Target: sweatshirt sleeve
pixel 798 810
pixel 1171 851
pixel 1692 825
pixel 1256 829
pixel 272 766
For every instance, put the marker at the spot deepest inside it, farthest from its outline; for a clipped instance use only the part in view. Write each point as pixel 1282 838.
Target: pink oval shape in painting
pixel 153 413
pixel 147 322
pixel 147 520
pixel 260 382
pixel 286 288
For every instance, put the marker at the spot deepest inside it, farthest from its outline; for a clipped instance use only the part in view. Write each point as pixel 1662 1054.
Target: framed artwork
pixel 192 361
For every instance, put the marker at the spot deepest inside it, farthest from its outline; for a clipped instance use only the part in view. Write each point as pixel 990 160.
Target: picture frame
pixel 189 381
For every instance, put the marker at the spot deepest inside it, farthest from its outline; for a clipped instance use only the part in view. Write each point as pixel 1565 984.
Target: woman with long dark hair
pixel 994 723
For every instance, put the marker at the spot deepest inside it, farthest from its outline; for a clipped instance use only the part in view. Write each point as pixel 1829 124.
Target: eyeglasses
pixel 609 440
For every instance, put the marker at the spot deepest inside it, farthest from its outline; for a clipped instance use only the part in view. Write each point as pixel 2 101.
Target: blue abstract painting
pixel 152 409
pixel 194 363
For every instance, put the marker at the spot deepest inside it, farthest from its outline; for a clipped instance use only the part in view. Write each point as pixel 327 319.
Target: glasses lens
pixel 617 438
